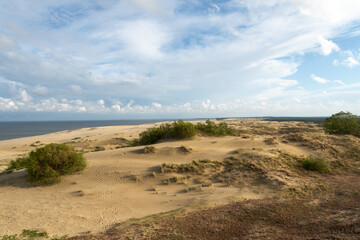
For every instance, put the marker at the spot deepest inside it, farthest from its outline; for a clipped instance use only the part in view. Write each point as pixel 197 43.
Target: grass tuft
pixel 315 164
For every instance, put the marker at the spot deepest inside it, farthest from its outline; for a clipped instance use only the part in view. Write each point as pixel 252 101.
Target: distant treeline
pixel 297 119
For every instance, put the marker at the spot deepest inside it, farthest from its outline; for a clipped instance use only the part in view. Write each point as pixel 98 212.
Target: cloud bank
pixel 172 57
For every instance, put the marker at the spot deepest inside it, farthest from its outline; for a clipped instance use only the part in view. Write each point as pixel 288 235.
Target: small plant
pixel 31 234
pixel 149 149
pixel 271 141
pixel 315 164
pixel 99 148
pixel 184 149
pixel 46 165
pixel 192 189
pixel 9 237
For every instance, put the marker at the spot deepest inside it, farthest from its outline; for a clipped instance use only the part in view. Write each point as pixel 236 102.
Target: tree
pixel 343 123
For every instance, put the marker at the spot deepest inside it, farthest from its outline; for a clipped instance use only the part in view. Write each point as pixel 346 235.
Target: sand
pixel 119 183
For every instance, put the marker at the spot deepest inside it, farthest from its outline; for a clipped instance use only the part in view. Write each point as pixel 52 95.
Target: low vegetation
pixel 47 164
pixel 149 149
pixel 196 166
pixel 31 235
pixel 182 130
pixel 315 164
pixel 176 130
pixel 210 128
pixel 343 123
pixel 18 164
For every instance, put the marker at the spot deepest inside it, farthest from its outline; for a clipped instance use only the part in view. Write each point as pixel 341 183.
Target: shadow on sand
pixel 15 179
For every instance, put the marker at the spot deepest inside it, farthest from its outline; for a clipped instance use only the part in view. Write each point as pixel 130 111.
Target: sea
pixel 11 130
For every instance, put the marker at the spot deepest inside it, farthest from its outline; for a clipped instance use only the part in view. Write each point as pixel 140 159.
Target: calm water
pixel 10 130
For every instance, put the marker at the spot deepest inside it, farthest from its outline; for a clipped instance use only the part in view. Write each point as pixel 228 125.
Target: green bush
pixel 19 163
pixel 315 164
pixel 212 129
pixel 182 130
pixel 177 130
pixel 152 135
pixel 46 165
pixel 343 123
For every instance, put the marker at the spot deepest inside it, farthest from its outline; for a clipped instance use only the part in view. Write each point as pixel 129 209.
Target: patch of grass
pixel 315 164
pixel 99 148
pixel 149 149
pixel 271 141
pixel 46 165
pixel 31 234
pixel 210 128
pixel 196 166
pixel 175 179
pixel 181 168
pixel 185 149
pixel 193 189
pixel 239 150
pixel 10 237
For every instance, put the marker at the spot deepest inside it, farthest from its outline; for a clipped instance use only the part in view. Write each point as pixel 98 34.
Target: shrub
pixel 177 130
pixel 149 149
pixel 152 135
pixel 315 164
pixel 19 163
pixel 46 165
pixel 182 130
pixel 343 123
pixel 212 129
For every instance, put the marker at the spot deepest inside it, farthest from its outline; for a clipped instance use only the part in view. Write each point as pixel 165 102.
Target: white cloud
pixel 350 62
pixel 101 102
pixel 145 38
pixel 339 82
pixel 156 105
pixel 6 104
pixel 319 79
pixel 327 46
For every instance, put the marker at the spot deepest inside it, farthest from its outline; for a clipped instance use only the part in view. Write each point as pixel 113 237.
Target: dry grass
pixel 331 214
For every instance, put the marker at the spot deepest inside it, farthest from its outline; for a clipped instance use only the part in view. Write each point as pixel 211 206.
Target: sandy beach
pixel 122 183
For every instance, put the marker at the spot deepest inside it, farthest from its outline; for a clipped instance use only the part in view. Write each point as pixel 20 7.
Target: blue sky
pixel 178 59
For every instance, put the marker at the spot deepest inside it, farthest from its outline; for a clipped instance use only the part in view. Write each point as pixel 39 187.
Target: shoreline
pixel 21 129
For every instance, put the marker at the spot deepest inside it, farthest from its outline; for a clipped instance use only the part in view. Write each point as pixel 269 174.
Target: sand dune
pixel 124 183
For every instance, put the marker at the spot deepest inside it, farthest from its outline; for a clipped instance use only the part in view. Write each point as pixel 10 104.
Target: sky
pixel 108 59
